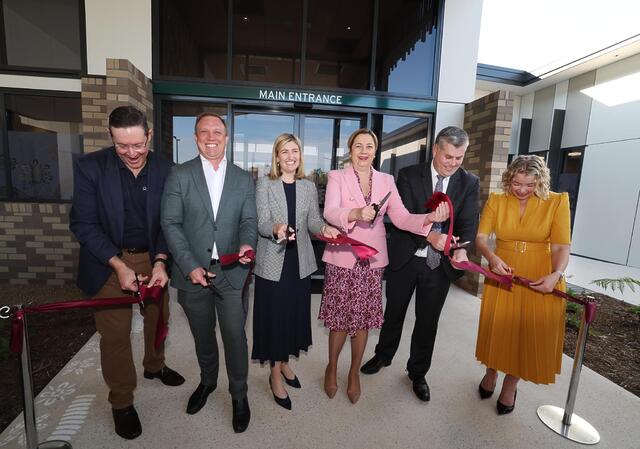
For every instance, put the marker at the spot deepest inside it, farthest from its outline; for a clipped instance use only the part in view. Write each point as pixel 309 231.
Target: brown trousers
pixel 114 326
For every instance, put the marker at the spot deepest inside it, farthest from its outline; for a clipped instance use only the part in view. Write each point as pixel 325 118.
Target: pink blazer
pixel 344 194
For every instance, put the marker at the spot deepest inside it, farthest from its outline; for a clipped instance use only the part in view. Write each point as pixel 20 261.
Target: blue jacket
pixel 97 213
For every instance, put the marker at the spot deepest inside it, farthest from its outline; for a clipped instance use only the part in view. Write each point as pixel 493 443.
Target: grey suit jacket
pixel 190 227
pixel 272 208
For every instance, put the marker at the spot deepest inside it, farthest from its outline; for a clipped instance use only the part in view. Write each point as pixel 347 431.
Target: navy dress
pixel 282 310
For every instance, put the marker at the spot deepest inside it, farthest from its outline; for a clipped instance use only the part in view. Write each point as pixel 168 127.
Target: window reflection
pixel 339 43
pixel 406 45
pixel 45 137
pixel 253 139
pixel 41 34
pixel 403 141
pixel 267 39
pixel 193 38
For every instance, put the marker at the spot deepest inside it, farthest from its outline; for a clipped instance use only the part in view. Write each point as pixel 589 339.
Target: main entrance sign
pixel 295 96
pixel 370 101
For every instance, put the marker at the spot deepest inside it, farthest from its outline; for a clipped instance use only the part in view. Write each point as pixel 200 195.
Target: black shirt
pixel 134 196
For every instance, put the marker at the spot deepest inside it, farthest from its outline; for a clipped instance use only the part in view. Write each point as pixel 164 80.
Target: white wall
pixel 576 119
pixel 40 82
pixel 607 201
pixel 118 29
pixel 459 58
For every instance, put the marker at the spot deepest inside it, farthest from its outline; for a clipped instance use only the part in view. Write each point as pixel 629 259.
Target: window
pixel 339 43
pixel 406 46
pixel 41 34
pixel 193 38
pixel 403 141
pixel 44 137
pixel 267 40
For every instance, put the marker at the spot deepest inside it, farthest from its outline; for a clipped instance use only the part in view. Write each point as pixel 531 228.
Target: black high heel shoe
pixel 295 382
pixel 506 409
pixel 284 403
pixel 484 394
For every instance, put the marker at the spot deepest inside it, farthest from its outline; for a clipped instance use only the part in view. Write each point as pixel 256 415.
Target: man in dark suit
pixel 116 218
pixel 209 210
pixel 416 264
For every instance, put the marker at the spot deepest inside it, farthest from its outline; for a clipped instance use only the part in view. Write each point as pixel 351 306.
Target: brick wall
pixel 35 242
pixel 488 122
pixel 36 245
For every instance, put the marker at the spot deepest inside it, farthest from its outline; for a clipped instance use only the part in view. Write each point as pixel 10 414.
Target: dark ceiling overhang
pixel 504 75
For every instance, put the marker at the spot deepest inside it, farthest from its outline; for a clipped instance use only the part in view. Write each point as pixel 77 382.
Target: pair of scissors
pixel 288 233
pixel 378 206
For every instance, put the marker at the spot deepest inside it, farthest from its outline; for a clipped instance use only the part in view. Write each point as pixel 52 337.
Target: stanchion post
pixel 565 422
pixel 30 429
pixel 29 412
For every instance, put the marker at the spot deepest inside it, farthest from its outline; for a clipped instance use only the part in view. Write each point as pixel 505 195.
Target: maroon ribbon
pixel 439 197
pixel 153 293
pixel 230 259
pixel 362 250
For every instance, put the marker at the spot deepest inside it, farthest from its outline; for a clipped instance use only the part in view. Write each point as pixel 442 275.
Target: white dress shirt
pixel 422 252
pixel 215 183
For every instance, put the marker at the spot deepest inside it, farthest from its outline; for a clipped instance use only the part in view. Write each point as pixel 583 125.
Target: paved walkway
pixel 74 406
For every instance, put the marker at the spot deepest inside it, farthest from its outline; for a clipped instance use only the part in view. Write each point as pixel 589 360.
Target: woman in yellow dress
pixel 521 331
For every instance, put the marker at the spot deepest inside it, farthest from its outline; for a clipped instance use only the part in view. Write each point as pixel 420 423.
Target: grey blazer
pixel 190 227
pixel 272 208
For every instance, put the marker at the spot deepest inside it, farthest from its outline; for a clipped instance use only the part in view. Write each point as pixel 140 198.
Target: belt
pixel 214 262
pixel 136 250
pixel 522 247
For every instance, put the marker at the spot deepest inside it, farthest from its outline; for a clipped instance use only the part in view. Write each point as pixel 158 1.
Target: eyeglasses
pixel 141 146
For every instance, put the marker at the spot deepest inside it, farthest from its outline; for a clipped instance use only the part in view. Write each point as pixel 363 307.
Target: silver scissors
pixel 378 206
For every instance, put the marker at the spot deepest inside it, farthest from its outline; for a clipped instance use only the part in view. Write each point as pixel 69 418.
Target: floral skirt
pixel 352 298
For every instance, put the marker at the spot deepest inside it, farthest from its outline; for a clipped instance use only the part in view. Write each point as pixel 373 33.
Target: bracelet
pixel 161 260
pixel 561 273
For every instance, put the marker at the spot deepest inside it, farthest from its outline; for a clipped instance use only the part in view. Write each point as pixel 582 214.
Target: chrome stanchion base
pixel 579 431
pixel 54 444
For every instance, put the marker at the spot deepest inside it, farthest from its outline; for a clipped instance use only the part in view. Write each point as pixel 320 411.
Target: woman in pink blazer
pixel 352 294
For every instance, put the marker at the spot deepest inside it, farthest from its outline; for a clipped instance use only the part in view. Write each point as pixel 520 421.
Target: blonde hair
pixel 281 141
pixel 530 165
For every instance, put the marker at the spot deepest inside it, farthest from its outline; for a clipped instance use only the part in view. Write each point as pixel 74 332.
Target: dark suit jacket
pixel 415 188
pixel 97 213
pixel 189 224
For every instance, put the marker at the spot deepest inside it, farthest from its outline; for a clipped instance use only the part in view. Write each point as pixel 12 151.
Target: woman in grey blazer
pixel 287 214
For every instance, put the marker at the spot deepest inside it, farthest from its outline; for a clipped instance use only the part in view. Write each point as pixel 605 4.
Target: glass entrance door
pixel 324 140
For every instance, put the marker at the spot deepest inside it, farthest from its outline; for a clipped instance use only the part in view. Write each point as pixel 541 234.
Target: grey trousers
pixel 201 308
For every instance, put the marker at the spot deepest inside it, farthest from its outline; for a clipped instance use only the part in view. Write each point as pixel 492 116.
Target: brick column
pixel 124 85
pixel 488 122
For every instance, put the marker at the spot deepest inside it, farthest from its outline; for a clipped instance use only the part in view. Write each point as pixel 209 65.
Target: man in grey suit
pixel 208 210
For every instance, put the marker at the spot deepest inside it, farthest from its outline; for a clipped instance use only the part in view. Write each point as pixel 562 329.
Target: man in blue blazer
pixel 209 210
pixel 116 218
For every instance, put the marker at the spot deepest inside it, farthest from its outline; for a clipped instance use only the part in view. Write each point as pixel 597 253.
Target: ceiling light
pixel 575 154
pixel 617 91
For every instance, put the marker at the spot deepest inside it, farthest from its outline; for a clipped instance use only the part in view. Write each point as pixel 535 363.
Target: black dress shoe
pixel 484 394
pixel 284 403
pixel 127 422
pixel 166 375
pixel 199 398
pixel 421 389
pixel 506 409
pixel 241 415
pixel 374 365
pixel 295 383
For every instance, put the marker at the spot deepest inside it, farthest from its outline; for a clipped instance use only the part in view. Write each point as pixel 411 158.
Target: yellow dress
pixel 521 331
